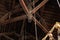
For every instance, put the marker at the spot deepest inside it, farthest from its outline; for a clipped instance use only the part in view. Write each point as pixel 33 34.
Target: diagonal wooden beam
pixel 2 34
pixel 17 9
pixel 7 37
pixel 24 17
pixel 39 6
pixel 24 6
pixel 35 9
pixel 19 18
pixel 56 25
pixel 28 11
pixel 40 25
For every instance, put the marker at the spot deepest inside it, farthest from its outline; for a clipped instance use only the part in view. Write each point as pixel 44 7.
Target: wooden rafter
pixel 17 9
pixel 24 17
pixel 33 11
pixel 27 11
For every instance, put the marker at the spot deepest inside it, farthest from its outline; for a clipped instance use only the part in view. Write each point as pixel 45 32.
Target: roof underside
pixel 47 15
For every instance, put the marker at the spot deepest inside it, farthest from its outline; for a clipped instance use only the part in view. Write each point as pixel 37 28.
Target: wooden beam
pixel 4 17
pixel 35 9
pixel 39 6
pixel 19 18
pixel 7 37
pixel 26 9
pixel 40 25
pixel 42 21
pixel 17 9
pixel 24 6
pixel 24 17
pixel 2 34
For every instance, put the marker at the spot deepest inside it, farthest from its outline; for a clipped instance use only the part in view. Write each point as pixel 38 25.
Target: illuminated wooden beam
pixel 56 25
